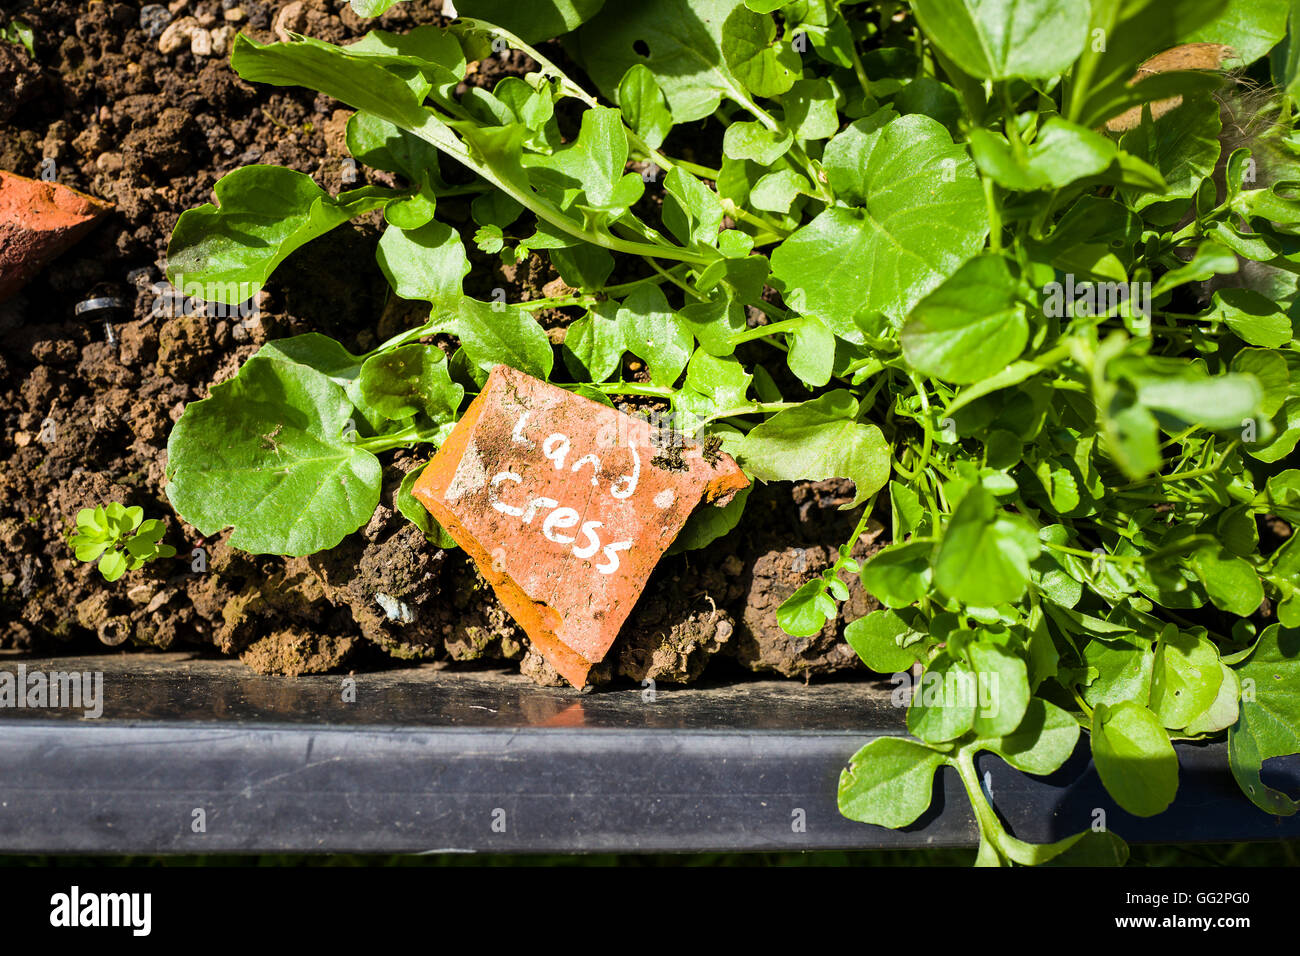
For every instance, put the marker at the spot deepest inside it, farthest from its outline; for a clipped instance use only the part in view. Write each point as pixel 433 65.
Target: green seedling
pixel 119 538
pixel 19 32
pixel 1061 364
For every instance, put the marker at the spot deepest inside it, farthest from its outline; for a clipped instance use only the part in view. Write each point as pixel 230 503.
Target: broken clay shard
pixel 1188 56
pixel 566 506
pixel 38 222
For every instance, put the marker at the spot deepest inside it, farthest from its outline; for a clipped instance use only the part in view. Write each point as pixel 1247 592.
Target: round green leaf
pixel 409 380
pixel 889 782
pixel 1134 758
pixel 943 704
pixel 919 213
pixel 997 41
pixel 1044 740
pixel 899 575
pixel 266 455
pixel 1002 680
pixel 112 565
pixel 765 68
pixel 1231 582
pixel 984 557
pixel 885 642
pixel 817 440
pixel 969 328
pixel 1185 678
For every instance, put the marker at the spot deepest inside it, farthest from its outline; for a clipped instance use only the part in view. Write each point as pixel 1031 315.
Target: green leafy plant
pixel 1062 362
pixel 119 538
pixel 19 32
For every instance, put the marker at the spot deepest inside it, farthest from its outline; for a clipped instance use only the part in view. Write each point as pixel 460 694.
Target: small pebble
pixel 222 37
pixel 110 163
pixel 154 18
pixel 290 19
pixel 176 35
pixel 201 42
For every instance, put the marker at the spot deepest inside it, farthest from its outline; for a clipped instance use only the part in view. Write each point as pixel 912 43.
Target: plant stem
pixel 555 302
pixel 1184 475
pixel 763 331
pixel 632 388
pixel 995 214
pixel 754 219
pixel 433 130
pixel 860 71
pixel 990 827
pixel 928 442
pixel 1080 553
pixel 410 335
pixel 703 172
pixel 379 443
pixel 1010 126
pixel 1083 704
pixel 754 409
pixel 684 286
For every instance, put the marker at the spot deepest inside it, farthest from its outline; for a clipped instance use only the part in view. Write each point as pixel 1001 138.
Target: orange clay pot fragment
pixel 566 506
pixel 38 222
pixel 1189 56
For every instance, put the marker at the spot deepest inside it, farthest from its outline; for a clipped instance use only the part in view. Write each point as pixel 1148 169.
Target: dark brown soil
pixel 86 407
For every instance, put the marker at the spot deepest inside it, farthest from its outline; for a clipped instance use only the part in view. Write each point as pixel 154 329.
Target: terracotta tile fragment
pixel 39 221
pixel 566 506
pixel 1188 56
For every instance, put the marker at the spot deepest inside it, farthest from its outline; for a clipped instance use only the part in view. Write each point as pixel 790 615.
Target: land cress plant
pixel 1062 360
pixel 119 538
